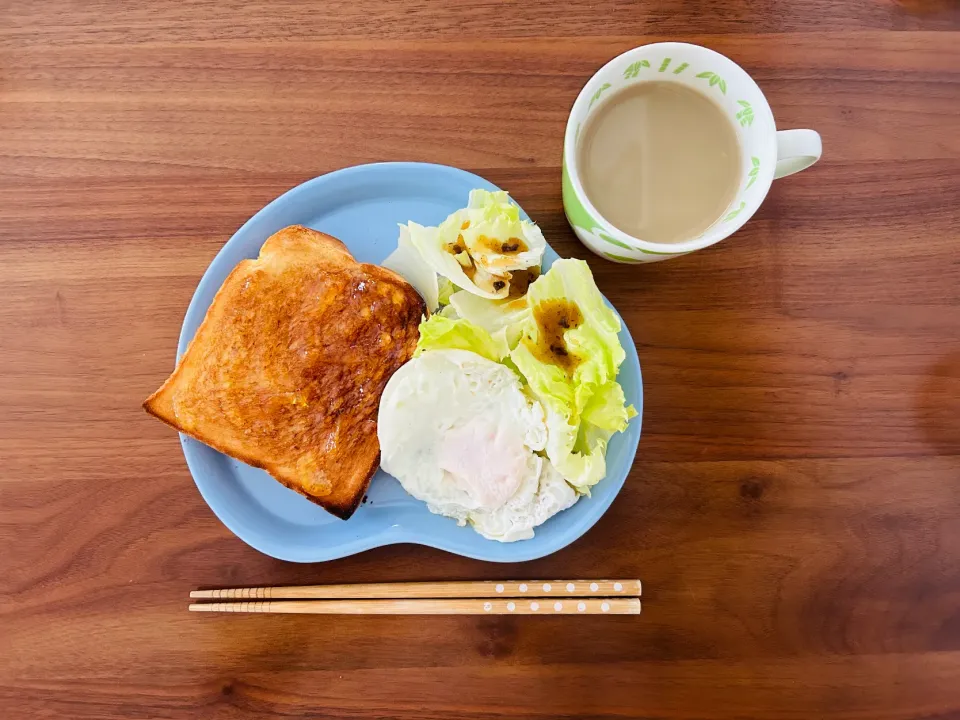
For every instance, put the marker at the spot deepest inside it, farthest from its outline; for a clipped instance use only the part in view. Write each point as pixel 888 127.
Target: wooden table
pixel 794 510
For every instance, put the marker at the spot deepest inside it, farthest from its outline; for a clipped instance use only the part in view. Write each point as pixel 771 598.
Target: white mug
pixel 766 153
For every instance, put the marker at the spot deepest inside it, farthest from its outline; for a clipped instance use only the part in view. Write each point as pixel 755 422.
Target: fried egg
pixel 459 433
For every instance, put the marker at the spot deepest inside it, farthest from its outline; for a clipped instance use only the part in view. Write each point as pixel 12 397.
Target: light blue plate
pixel 362 206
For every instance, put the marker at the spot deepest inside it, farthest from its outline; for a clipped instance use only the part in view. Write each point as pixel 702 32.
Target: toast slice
pixel 286 370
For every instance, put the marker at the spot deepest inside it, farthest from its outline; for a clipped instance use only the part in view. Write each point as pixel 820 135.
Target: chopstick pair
pixel 514 597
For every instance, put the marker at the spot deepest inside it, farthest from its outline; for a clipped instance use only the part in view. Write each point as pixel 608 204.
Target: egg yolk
pixel 486 463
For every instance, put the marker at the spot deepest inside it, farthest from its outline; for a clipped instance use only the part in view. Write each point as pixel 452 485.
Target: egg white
pixel 459 433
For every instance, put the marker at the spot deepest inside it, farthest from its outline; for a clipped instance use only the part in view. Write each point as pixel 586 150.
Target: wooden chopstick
pixel 446 606
pixel 433 590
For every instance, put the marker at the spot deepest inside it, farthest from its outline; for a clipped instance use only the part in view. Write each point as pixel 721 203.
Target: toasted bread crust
pixel 286 370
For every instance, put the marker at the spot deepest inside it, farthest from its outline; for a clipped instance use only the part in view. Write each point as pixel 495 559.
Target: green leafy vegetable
pixel 488 223
pixel 443 333
pixel 585 407
pixel 433 251
pixel 446 289
pixel 407 262
pixel 504 317
pixel 477 248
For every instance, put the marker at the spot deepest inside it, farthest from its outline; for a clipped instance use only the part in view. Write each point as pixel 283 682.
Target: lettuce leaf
pixel 465 250
pixel 492 216
pixel 408 263
pixel 446 290
pixel 581 468
pixel 449 311
pixel 607 409
pixel 586 407
pixel 494 316
pixel 444 333
pixel 433 245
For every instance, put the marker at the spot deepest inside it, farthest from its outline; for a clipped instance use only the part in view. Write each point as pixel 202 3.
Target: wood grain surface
pixel 794 511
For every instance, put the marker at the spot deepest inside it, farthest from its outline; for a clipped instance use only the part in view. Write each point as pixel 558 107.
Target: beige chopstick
pixel 448 606
pixel 399 591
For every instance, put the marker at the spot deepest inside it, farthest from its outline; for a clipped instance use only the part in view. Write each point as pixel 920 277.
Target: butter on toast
pixel 286 371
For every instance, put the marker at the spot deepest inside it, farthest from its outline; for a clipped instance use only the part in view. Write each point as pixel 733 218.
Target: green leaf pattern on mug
pixel 681 68
pixel 621 258
pixel 597 94
pixel 634 69
pixel 603 236
pixel 754 172
pixel 745 116
pixel 731 215
pixel 714 80
pixel 576 213
pixel 664 65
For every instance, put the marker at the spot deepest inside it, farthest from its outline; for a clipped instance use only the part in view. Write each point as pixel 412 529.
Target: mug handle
pixel 796 150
